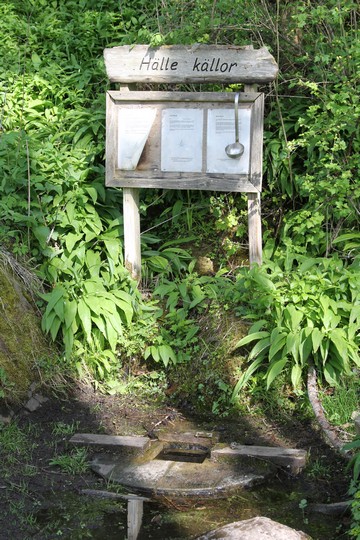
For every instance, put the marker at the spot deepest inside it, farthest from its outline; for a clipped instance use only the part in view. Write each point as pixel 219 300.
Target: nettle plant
pixel 307 311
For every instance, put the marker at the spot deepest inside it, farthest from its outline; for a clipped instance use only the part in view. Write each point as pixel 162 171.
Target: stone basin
pixel 182 479
pixel 186 465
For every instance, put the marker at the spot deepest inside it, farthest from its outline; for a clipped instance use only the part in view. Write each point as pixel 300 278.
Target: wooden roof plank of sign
pixel 190 64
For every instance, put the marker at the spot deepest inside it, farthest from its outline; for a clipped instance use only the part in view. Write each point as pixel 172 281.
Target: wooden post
pixel 132 232
pixel 134 517
pixel 254 225
pixel 254 214
pixel 132 246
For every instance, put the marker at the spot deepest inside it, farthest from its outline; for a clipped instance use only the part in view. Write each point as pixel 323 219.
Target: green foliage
pixel 55 209
pixel 354 490
pixel 182 300
pixel 340 404
pixel 74 463
pixel 307 310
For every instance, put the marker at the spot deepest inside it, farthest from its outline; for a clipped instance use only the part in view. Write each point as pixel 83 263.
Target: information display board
pixel 178 140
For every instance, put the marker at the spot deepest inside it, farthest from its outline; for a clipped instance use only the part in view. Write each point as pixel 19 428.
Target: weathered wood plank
pixel 254 227
pixel 135 509
pixel 155 97
pixel 115 441
pixel 182 181
pixel 292 458
pixel 195 64
pixel 189 438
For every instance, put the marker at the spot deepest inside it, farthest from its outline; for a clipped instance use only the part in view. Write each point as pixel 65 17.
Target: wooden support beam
pixel 132 232
pixel 254 214
pixel 254 226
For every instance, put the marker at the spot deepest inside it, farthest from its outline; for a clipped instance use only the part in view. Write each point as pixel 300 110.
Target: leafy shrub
pixel 306 310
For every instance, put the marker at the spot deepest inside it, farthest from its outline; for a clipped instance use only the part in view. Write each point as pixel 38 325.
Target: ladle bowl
pixel 235 150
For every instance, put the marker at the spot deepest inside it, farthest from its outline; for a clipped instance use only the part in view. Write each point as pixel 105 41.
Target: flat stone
pixel 255 529
pixel 127 443
pixel 32 404
pixel 293 459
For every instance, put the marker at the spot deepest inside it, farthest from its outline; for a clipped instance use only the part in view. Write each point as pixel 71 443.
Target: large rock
pixel 22 342
pixel 258 528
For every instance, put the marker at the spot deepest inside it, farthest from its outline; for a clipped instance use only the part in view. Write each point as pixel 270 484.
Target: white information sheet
pixel 134 127
pixel 182 140
pixel 220 133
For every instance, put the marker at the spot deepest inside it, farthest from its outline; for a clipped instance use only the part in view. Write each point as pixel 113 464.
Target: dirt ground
pixel 29 483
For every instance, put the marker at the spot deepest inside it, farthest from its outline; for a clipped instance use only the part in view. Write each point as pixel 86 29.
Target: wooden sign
pixel 192 64
pixel 178 140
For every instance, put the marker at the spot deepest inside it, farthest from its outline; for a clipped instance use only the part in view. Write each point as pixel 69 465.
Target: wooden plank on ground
pixel 130 443
pixel 293 459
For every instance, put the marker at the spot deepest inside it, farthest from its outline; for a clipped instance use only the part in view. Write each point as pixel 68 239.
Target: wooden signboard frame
pixel 148 173
pixel 183 64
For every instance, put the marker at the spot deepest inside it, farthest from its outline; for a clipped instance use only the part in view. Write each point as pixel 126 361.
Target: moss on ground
pixel 22 342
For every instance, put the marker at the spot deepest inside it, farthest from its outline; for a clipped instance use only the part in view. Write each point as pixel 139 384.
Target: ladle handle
pixel 236 106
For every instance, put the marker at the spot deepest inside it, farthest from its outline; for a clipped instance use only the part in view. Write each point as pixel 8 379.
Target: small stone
pixel 41 399
pixel 5 419
pixel 33 404
pixel 204 266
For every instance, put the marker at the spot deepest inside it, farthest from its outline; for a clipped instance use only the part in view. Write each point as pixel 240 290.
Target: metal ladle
pixel 236 149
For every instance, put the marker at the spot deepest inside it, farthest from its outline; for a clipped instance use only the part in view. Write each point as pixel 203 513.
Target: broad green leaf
pixel 316 337
pixel 274 370
pixel 277 341
pixel 54 329
pixel 296 373
pixel 166 353
pixel 183 291
pixel 85 318
pixel 244 378
pixel 93 193
pixel 251 337
pixel 261 347
pixel 53 297
pixel 59 309
pixel 264 282
pixel 94 302
pixel 330 320
pixel 111 334
pixel 70 310
pixel 256 326
pixel 293 318
pixel 47 321
pixel 324 349
pixel 68 342
pixel 292 345
pixel 92 259
pixel 306 346
pixel 71 239
pixel 338 337
pixel 155 353
pixel 42 234
pixel 307 264
pixel 331 375
pixel 115 320
pixel 113 247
